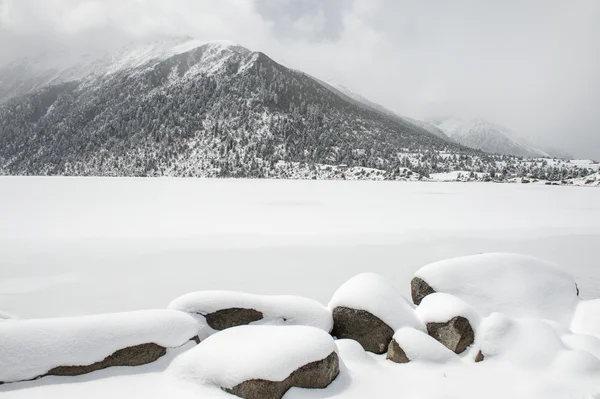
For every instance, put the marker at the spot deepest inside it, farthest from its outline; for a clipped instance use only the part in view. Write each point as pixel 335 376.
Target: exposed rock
pixel 479 357
pixel 131 356
pixel 419 289
pixel 370 331
pixel 396 353
pixel 456 334
pixel 232 317
pixel 317 374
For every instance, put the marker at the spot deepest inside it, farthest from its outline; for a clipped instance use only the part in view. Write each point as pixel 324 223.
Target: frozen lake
pixel 75 246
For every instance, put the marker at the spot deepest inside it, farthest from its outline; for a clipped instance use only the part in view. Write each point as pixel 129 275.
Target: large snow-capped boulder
pixel 409 344
pixel 449 320
pixel 226 309
pixel 261 362
pixel 367 309
pixel 516 285
pixel 587 318
pixel 79 345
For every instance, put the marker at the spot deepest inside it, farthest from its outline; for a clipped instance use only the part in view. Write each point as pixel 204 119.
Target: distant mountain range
pixel 179 107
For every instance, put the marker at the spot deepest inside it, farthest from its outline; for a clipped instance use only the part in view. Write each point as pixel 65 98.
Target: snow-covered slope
pixel 485 136
pixel 184 108
pixel 179 107
pixel 423 126
pixel 430 127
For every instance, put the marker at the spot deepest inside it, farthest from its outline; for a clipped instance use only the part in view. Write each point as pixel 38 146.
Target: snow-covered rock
pixel 524 342
pixel 261 361
pixel 366 308
pixel 36 347
pixel 516 285
pixel 409 344
pixel 449 320
pixel 587 318
pixel 225 309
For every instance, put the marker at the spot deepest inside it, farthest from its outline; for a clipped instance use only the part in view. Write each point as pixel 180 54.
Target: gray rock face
pixel 456 334
pixel 232 317
pixel 396 353
pixel 419 289
pixel 368 330
pixel 317 374
pixel 131 356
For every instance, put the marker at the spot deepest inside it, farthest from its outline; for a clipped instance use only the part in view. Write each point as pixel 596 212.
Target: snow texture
pixel 587 318
pixel 242 353
pixel 30 348
pixel 6 316
pixel 583 342
pixel 372 293
pixel 419 346
pixel 526 342
pixel 276 309
pixel 517 285
pixel 441 307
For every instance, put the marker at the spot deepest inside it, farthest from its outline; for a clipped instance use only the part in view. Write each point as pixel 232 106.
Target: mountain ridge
pixel 218 109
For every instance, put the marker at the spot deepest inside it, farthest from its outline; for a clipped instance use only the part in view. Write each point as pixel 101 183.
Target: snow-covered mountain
pixel 424 126
pixel 179 107
pixel 486 136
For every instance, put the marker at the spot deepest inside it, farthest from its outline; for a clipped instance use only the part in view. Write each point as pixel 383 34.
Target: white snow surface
pixel 74 246
pixel 243 353
pixel 441 307
pixel 583 342
pixel 419 346
pixel 6 316
pixel 523 342
pixel 30 348
pixel 517 285
pixel 276 309
pixel 535 344
pixel 372 293
pixel 587 318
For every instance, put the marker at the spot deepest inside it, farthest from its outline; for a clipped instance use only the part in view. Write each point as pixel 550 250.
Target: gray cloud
pixel 530 65
pixel 313 20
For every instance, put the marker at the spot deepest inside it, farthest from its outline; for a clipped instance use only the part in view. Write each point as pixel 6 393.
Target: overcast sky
pixel 530 65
